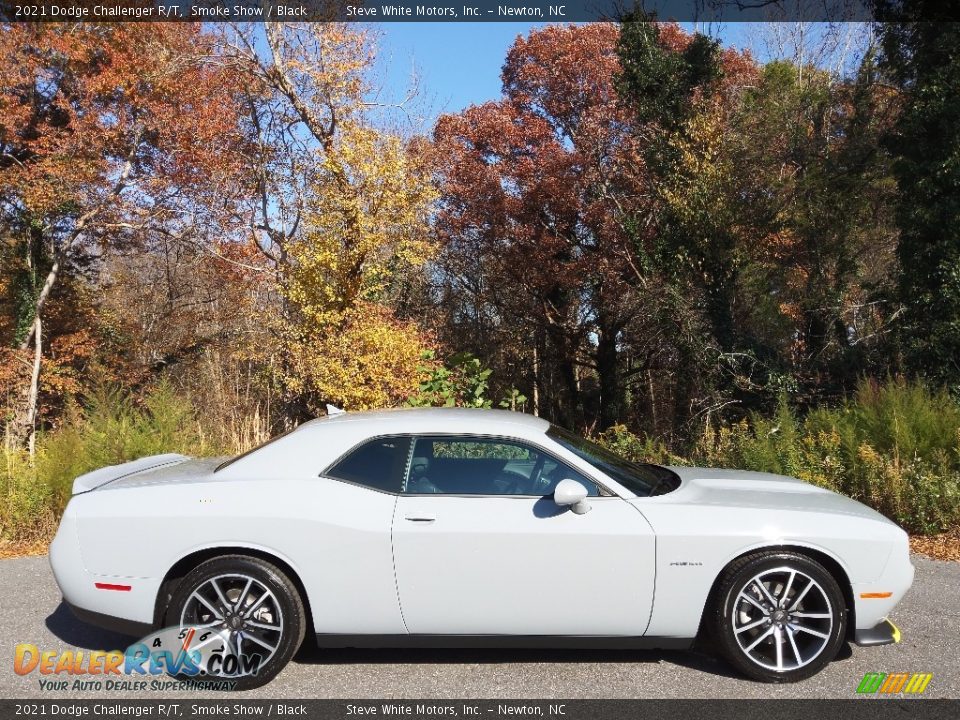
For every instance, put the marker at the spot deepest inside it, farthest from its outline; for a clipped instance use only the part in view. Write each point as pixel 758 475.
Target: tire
pixel 269 600
pixel 778 617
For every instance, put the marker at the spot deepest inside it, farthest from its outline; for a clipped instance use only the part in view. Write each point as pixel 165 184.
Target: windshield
pixel 641 479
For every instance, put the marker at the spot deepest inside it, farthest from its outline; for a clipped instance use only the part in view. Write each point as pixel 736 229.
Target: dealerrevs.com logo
pixel 894 683
pixel 173 658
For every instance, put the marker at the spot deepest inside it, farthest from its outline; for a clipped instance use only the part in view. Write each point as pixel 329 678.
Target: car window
pixel 377 464
pixel 466 465
pixel 640 478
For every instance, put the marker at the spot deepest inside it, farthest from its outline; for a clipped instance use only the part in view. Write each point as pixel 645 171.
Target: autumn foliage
pixel 644 231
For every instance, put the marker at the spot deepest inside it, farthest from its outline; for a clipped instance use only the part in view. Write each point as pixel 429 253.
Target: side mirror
pixel 573 494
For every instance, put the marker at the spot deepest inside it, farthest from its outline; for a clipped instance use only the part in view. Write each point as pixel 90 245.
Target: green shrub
pixel 110 429
pixel 28 512
pixel 894 446
pixel 639 449
pixel 896 418
pixel 900 447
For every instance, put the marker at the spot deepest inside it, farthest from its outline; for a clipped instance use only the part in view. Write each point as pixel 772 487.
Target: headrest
pixel 419 465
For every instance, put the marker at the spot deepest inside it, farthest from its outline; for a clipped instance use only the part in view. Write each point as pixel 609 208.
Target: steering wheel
pixel 511 482
pixel 536 475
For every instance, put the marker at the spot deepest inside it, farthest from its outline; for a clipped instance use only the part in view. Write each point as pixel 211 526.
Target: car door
pixel 481 548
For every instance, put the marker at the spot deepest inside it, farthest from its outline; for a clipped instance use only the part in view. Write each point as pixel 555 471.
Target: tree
pixel 768 213
pixel 820 192
pixel 663 74
pixel 105 130
pixel 532 189
pixel 338 215
pixel 366 224
pixel 921 58
pixel 672 82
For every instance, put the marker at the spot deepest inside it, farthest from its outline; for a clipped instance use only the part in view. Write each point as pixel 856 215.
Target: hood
pixel 153 470
pixel 746 489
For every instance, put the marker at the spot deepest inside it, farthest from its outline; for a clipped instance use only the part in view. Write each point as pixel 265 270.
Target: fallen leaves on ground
pixel 945 546
pixel 14 550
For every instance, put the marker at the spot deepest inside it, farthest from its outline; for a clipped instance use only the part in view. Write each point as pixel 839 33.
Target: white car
pixel 452 527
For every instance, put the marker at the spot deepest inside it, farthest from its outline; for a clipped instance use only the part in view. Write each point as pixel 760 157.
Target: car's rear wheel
pixel 779 616
pixel 247 611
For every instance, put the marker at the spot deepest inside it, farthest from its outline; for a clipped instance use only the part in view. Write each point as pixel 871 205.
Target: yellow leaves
pixel 363 201
pixel 701 145
pixel 363 359
pixel 820 459
pixel 703 168
pixel 367 223
pixel 716 444
pixel 328 62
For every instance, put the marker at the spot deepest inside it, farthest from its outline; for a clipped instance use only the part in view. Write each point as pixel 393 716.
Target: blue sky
pixel 458 63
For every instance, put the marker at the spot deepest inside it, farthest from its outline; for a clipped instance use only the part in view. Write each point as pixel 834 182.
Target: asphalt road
pixel 929 618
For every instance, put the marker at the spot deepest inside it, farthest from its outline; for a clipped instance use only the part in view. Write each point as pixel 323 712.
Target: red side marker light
pixel 110 586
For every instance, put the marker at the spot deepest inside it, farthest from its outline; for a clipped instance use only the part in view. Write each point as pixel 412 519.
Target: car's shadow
pixel 63 624
pixel 695 660
pixel 67 628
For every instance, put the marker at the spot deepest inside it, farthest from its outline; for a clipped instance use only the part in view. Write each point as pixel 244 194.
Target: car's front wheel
pixel 247 617
pixel 779 616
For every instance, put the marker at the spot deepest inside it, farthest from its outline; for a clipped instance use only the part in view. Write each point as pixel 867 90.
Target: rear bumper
pixel 885 633
pixel 109 622
pixel 94 594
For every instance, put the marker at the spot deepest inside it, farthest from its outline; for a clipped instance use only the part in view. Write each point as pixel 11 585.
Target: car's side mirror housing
pixel 570 493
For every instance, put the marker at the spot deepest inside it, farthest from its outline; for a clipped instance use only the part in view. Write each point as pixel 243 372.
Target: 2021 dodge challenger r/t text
pixel 450 527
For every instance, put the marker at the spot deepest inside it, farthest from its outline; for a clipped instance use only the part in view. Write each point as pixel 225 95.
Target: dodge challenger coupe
pixel 452 527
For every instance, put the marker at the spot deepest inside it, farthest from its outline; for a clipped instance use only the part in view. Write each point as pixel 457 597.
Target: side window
pixel 377 464
pixel 554 471
pixel 466 465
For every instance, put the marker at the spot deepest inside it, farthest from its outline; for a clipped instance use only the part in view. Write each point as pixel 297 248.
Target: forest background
pixel 209 233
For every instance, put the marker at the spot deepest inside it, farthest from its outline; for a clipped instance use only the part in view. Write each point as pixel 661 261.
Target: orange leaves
pixel 530 177
pixel 111 131
pixel 565 70
pixel 82 97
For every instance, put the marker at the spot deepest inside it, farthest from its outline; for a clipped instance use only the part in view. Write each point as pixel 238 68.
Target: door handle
pixel 420 518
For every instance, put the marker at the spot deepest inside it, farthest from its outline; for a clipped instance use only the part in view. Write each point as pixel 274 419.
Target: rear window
pixel 377 464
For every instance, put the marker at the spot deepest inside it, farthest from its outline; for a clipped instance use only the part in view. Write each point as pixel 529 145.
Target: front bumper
pixel 885 633
pixel 875 601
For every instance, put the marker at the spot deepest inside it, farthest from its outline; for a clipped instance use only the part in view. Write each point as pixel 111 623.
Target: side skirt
pixel 583 642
